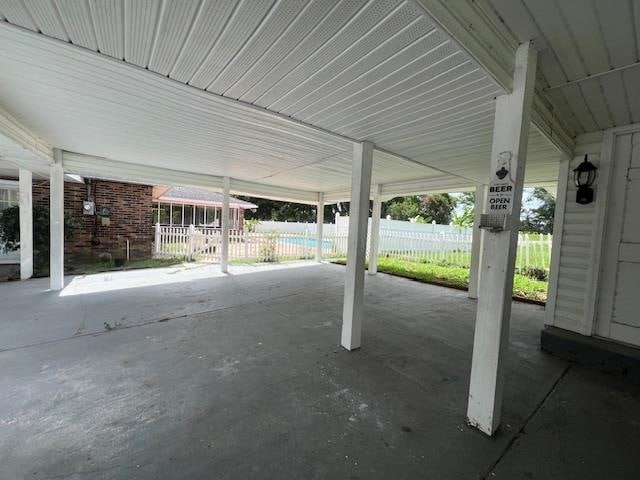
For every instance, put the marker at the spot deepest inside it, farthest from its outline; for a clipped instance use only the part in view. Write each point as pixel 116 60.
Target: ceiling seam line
pixel 324 17
pixel 216 40
pixel 397 8
pixel 376 66
pixel 194 19
pixel 356 120
pixel 156 33
pixel 240 50
pixel 380 80
pixel 342 28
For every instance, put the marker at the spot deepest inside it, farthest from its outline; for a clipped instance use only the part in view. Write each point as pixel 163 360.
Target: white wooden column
pixel 510 135
pixel 56 222
pixel 319 226
pixel 476 241
pixel 376 212
pixel 224 252
pixel 26 224
pixel 356 245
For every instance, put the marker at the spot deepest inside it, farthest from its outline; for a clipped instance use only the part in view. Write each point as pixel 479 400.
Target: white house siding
pixel 576 250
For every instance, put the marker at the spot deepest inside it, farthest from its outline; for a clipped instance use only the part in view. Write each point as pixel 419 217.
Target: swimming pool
pixel 305 242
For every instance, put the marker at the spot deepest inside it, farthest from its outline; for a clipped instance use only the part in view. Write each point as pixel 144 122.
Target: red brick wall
pixel 131 218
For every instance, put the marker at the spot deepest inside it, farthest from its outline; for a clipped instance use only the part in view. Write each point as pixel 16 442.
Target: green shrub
pixel 269 247
pixel 10 231
pixel 536 273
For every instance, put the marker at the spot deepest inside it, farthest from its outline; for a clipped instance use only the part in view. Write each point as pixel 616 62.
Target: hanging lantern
pixel 583 176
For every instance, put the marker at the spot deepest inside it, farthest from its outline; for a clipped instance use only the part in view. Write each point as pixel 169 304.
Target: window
pixel 188 215
pixel 200 220
pixel 213 216
pixel 176 215
pixel 8 198
pixel 164 214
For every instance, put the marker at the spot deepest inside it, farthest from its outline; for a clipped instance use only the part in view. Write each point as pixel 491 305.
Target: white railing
pixel 203 244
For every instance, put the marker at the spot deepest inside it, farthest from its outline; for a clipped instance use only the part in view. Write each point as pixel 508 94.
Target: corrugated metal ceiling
pixel 376 70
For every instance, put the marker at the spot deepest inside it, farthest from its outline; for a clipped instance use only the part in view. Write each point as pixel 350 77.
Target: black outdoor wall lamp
pixel 583 176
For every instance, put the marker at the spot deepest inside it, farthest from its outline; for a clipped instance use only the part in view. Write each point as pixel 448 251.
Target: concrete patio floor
pixel 195 375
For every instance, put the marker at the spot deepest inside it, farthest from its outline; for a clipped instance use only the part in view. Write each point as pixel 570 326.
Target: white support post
pixel 319 227
pixel 56 222
pixel 376 213
pixel 356 245
pixel 26 224
pixel 476 241
pixel 224 253
pixel 158 239
pixel 510 135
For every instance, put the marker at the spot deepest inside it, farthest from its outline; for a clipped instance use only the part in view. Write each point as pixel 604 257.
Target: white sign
pixel 501 187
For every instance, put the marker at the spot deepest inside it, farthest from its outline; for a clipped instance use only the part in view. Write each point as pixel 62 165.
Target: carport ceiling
pixel 194 85
pixel 580 40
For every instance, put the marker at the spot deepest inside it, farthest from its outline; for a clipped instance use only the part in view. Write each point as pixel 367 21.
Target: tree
pixel 277 211
pixel 539 218
pixel 438 207
pixel 465 203
pixel 403 208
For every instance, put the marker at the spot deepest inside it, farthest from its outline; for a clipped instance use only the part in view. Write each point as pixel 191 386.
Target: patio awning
pixel 194 196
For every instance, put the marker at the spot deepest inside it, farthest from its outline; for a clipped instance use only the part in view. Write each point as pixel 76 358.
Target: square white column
pixel 25 179
pixel 319 226
pixel 476 241
pixel 491 340
pixel 356 245
pixel 224 251
pixel 376 212
pixel 56 222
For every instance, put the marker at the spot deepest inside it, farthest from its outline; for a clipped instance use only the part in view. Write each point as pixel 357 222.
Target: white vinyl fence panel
pixel 446 247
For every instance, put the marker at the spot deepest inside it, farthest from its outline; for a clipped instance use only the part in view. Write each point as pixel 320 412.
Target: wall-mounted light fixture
pixel 583 176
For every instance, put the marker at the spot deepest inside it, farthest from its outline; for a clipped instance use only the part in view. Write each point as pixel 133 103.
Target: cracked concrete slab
pixel 243 377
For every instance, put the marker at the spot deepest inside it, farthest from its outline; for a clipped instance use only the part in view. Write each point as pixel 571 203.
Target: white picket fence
pixel 203 244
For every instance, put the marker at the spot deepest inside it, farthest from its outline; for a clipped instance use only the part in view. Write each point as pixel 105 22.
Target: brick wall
pixel 131 218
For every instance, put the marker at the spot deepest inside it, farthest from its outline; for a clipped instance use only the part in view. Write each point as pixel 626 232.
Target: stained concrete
pixel 242 377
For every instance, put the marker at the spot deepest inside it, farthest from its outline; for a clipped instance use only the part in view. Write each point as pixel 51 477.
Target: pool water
pixel 306 242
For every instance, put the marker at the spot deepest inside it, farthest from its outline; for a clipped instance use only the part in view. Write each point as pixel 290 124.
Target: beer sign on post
pixel 500 195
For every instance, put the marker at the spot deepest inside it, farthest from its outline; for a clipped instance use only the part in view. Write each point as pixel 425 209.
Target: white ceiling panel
pixel 269 91
pixel 46 18
pixel 242 81
pixel 175 24
pixel 78 22
pixel 17 13
pixel 210 19
pixel 242 24
pixel 578 39
pixel 108 20
pixel 140 24
pixel 281 16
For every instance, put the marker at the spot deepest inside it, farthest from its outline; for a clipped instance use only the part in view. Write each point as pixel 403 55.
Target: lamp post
pixel 583 176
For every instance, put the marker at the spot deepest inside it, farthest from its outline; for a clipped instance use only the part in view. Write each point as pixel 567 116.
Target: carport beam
pixel 224 251
pixel 56 222
pixel 319 226
pixel 476 241
pixel 508 150
pixel 356 245
pixel 376 212
pixel 25 179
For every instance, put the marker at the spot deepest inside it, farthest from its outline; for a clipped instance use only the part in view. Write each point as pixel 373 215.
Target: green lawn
pixel 523 287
